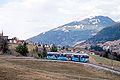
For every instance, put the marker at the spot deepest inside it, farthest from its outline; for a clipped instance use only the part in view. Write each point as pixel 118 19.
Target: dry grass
pixel 41 70
pixel 105 61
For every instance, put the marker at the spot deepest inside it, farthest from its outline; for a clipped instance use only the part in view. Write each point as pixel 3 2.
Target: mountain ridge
pixel 110 33
pixel 70 33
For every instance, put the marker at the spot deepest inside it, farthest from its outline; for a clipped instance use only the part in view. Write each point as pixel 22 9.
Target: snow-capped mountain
pixel 74 32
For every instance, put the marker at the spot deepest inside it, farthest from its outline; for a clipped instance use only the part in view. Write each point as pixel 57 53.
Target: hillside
pixel 74 32
pixel 50 70
pixel 110 33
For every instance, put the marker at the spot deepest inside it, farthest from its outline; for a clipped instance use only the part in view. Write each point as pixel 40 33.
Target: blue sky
pixel 27 18
pixel 3 1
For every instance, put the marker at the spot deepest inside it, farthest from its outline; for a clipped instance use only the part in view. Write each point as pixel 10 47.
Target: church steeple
pixel 2 32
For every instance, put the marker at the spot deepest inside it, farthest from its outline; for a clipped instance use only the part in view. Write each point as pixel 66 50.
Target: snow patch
pixel 64 29
pixel 98 20
pixel 91 17
pixel 77 27
pixel 96 25
pixel 81 26
pixel 56 29
pixel 94 21
pixel 43 32
pixel 79 42
pixel 94 34
pixel 67 26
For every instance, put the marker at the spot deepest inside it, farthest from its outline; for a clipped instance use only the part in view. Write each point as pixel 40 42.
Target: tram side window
pixel 64 55
pixel 50 54
pixel 61 55
pixel 85 57
pixel 76 56
pixel 56 55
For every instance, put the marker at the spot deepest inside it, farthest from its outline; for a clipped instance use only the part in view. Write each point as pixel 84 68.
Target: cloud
pixel 27 18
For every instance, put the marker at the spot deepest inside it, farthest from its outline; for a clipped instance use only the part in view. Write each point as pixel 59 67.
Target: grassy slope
pixel 105 61
pixel 38 70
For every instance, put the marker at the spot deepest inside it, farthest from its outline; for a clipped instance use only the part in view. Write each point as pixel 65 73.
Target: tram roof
pixel 53 52
pixel 67 53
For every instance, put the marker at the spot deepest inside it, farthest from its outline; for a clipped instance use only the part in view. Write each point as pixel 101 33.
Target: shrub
pixel 22 49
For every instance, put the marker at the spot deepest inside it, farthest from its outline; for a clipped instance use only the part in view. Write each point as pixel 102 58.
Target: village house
pixel 15 40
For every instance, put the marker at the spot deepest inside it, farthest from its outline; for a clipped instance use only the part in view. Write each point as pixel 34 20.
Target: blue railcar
pixel 53 55
pixel 80 57
pixel 65 56
pixel 68 56
pixel 84 58
pixel 75 57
